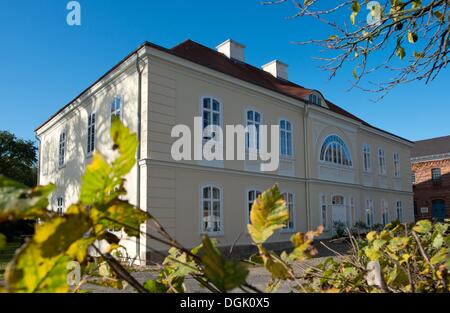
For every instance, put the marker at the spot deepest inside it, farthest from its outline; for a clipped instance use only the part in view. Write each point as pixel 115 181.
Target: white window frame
pixel 324 211
pixel 399 210
pixel 382 162
pixel 249 144
pixel 369 213
pixel 60 205
pixel 91 133
pixel 249 203
pixel 367 158
pixel 220 232
pixel 338 148
pixel 62 147
pixel 287 229
pixel 288 143
pixel 211 113
pixel 397 164
pixel 384 212
pixel 114 110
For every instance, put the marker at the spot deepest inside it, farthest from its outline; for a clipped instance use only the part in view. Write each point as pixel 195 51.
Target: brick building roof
pixel 434 146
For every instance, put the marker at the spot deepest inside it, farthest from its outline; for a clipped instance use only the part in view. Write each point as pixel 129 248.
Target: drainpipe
pixel 305 151
pixel 138 152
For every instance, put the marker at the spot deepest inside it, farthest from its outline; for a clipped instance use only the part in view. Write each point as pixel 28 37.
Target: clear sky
pixel 44 63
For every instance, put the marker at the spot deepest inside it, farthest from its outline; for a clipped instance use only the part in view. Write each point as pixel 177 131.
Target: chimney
pixel 232 49
pixel 277 69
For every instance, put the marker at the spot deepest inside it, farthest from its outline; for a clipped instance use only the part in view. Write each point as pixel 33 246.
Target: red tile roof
pixel 212 59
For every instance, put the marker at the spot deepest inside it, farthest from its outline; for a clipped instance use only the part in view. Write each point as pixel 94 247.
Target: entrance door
pixel 338 212
pixel 438 210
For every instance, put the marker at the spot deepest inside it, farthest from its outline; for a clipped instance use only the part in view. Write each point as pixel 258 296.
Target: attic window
pixel 314 99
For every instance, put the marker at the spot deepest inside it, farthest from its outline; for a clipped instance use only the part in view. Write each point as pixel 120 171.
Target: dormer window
pixel 315 99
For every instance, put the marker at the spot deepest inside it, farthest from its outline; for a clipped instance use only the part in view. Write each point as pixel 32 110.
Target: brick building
pixel 430 161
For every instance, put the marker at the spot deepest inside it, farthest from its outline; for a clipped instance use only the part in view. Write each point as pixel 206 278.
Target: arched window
pixel 286 138
pixel 211 208
pixel 314 99
pixel 252 195
pixel 334 150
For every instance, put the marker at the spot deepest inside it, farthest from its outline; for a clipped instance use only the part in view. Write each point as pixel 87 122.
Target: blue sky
pixel 44 63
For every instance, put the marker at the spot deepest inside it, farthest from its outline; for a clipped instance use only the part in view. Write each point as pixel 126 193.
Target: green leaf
pixel 154 286
pixel 18 201
pixel 224 274
pixel 126 143
pixel 422 227
pixel 438 241
pixel 439 257
pixel 29 271
pixel 267 215
pixel 303 248
pixel 57 235
pixel 412 37
pixel 355 10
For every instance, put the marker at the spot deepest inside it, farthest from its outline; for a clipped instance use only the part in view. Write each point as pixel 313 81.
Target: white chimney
pixel 232 49
pixel 277 69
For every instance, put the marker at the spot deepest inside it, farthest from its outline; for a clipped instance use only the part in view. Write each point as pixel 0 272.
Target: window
pixel 323 211
pixel 369 212
pixel 384 212
pixel 367 162
pixel 396 165
pixel 211 210
pixel 289 199
pixel 334 150
pixel 338 200
pixel 62 149
pixel 253 118
pixel 381 162
pixel 59 205
pixel 352 211
pixel 286 138
pixel 116 107
pixel 314 99
pixel 211 116
pixel 252 195
pixel 399 207
pixel 413 177
pixel 91 134
pixel 436 174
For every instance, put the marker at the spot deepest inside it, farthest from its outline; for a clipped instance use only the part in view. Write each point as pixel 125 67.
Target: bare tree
pixel 390 28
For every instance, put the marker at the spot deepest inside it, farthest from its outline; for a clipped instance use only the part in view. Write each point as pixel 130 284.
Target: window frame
pixel 201 207
pixel 62 148
pixel 287 132
pixel 113 112
pixel 369 213
pixel 397 165
pixel 367 158
pixel 384 212
pixel 258 129
pixel 59 206
pixel 399 209
pixel 335 146
pixel 211 115
pixel 382 169
pixel 91 134
pixel 293 228
pixel 433 170
pixel 324 211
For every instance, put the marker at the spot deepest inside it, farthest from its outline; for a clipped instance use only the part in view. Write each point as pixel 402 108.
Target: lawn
pixel 6 254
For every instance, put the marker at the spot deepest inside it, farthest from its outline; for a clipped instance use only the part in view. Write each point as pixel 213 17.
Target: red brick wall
pixel 425 190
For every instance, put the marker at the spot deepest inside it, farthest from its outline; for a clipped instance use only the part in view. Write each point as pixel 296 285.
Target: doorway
pixel 438 210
